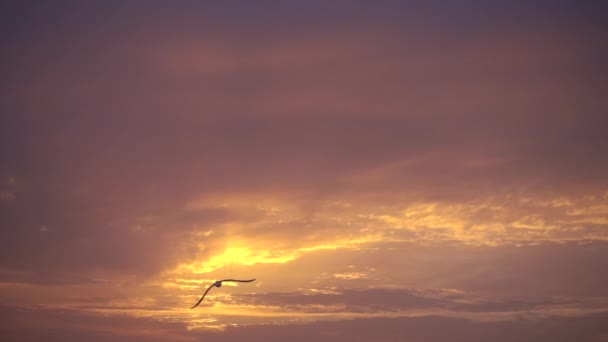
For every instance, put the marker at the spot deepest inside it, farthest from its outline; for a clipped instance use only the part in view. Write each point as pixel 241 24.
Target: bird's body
pixel 219 284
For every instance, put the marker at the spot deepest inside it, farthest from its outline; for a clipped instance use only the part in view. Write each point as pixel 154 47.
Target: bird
pixel 219 284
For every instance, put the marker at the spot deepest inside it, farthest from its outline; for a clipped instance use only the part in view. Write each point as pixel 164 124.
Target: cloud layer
pixel 403 166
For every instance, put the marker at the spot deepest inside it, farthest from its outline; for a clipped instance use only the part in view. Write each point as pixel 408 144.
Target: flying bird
pixel 219 284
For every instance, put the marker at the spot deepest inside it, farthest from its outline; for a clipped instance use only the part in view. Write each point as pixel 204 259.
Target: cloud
pixel 428 329
pixel 69 326
pixel 441 147
pixel 7 196
pixel 351 300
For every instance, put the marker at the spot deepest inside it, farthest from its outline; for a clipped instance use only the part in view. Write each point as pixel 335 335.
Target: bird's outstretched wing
pixel 237 280
pixel 220 283
pixel 204 294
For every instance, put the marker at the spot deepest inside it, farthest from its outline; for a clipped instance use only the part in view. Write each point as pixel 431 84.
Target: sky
pixel 386 170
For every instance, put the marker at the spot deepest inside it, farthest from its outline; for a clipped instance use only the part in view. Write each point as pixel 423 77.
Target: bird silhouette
pixel 219 284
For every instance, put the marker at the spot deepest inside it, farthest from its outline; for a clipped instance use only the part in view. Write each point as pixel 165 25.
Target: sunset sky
pixel 386 170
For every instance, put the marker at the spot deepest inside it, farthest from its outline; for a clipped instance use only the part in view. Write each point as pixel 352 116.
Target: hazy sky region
pixel 387 170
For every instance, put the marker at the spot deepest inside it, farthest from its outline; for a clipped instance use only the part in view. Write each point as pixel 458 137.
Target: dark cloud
pixel 20 324
pixel 70 326
pixel 382 300
pixel 429 329
pixel 543 270
pixel 355 300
